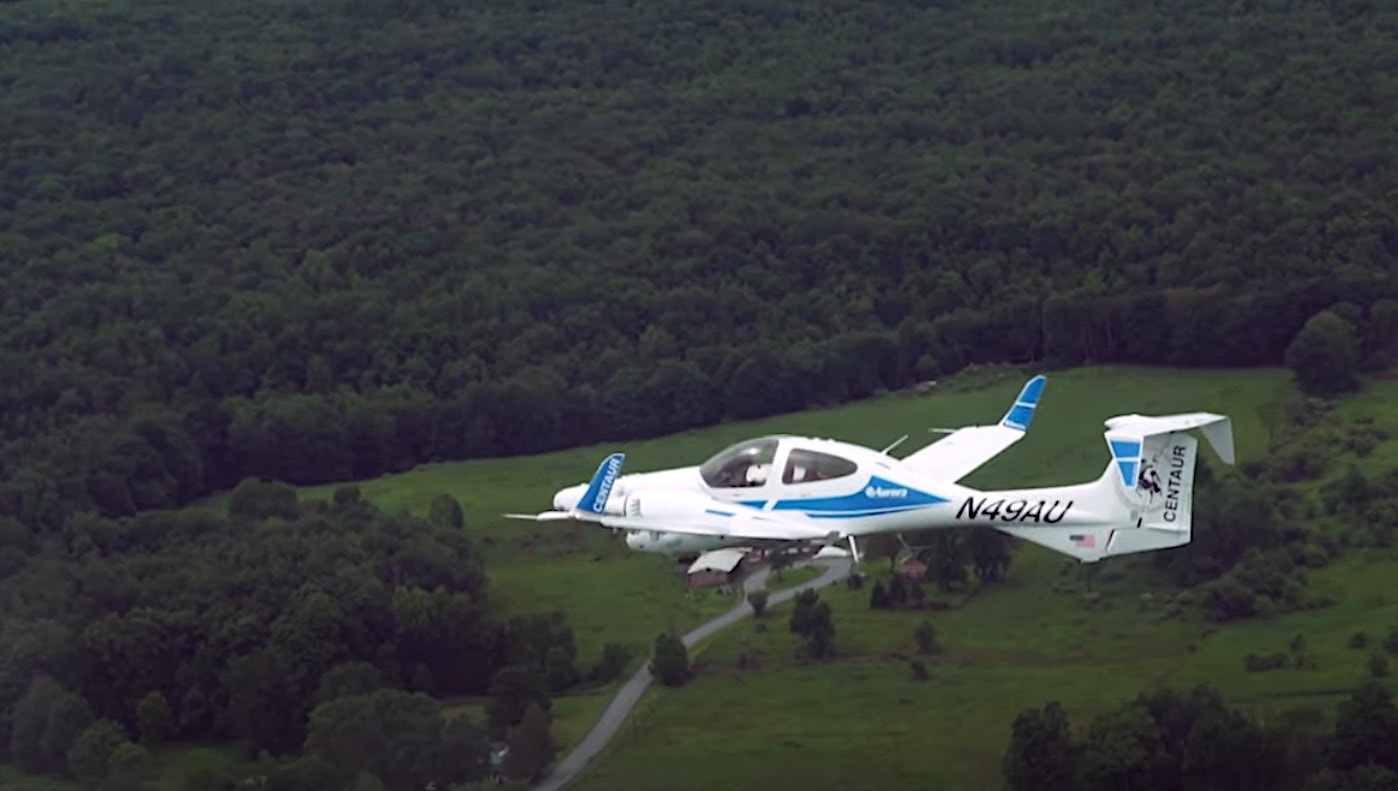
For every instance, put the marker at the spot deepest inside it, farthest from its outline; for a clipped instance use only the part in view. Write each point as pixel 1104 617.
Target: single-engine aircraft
pixel 781 489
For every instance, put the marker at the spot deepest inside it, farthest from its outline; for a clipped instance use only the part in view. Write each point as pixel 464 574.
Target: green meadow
pixel 861 721
pixel 613 594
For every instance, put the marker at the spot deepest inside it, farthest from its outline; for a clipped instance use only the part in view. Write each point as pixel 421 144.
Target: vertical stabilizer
pixel 1143 501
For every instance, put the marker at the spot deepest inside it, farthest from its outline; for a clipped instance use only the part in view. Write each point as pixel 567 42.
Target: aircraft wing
pixel 733 522
pixel 966 449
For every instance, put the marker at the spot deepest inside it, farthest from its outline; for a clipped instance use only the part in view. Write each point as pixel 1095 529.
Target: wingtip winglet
pixel 1021 412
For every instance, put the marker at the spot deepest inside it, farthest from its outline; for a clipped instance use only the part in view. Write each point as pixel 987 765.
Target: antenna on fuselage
pixel 895 444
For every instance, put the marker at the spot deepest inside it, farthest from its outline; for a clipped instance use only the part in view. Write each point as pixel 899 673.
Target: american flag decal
pixel 1083 539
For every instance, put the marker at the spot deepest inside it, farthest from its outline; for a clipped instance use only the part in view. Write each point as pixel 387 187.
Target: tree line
pixel 500 230
pixel 165 457
pixel 1170 740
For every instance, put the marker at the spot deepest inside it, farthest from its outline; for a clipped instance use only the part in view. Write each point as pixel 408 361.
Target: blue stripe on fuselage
pixel 876 498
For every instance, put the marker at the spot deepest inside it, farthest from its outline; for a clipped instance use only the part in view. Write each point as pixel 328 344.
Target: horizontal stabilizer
pixel 1217 429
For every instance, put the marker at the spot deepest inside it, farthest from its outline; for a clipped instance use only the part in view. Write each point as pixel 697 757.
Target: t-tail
pixel 1143 501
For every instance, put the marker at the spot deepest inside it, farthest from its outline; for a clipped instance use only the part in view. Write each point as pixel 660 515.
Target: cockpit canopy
pixel 749 464
pixel 744 464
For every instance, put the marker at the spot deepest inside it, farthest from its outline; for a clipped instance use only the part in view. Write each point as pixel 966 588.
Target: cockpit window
pixel 745 464
pixel 804 466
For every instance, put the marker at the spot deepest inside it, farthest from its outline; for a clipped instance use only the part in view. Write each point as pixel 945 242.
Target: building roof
pixel 724 560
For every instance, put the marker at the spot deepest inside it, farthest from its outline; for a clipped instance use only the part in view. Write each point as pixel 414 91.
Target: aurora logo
pixel 880 492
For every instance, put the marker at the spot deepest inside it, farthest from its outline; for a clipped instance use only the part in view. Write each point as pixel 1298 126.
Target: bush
pixel 1378 665
pixel 758 601
pixel 1257 663
pixel 612 663
pixel 926 636
pixel 919 670
pixel 670 663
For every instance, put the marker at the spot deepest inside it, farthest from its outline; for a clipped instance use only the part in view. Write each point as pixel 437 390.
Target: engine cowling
pixel 667 503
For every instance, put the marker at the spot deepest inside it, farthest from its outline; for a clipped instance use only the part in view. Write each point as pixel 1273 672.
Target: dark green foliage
pixel 670 660
pixel 1349 494
pixel 531 747
pixel 779 561
pixel 1378 665
pixel 401 738
pixel 44 724
pixel 305 279
pixel 1325 355
pixel 926 637
pixel 1258 663
pixel 1361 778
pixel 1170 740
pixel 1381 343
pixel 1041 753
pixel 349 678
pixel 879 598
pixel 446 512
pixel 128 767
pixel 90 757
pixel 257 500
pixel 1366 729
pixel 811 619
pixel 883 545
pixel 513 689
pixel 368 236
pixel 154 719
pixel 990 552
pixel 544 645
pixel 918 670
pixel 758 601
pixel 612 663
pixel 194 627
pixel 948 553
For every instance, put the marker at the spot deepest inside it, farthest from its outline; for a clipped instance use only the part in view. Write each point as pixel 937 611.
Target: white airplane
pixel 830 491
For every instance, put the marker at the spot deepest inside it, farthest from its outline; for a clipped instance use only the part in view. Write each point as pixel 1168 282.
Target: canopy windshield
pixel 744 464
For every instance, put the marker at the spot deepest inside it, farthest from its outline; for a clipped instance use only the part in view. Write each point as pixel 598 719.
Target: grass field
pixel 612 594
pixel 861 722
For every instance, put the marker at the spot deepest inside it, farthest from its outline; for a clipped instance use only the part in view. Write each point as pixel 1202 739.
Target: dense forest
pixel 275 627
pixel 320 240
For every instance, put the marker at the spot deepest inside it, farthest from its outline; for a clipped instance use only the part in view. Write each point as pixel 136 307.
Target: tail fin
pixel 594 499
pixel 1144 500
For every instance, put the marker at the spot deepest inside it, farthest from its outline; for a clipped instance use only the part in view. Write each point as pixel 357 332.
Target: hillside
pixel 259 248
pixel 549 566
pixel 330 239
pixel 761 711
pixel 612 597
